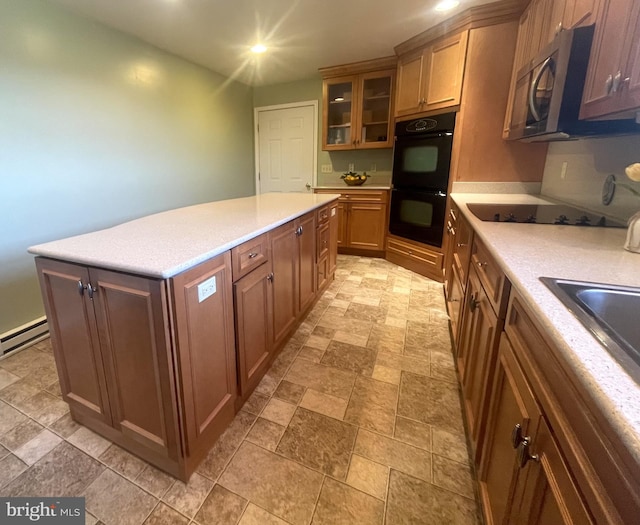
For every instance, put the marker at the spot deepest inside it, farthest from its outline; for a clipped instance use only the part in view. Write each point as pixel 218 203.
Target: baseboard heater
pixel 23 336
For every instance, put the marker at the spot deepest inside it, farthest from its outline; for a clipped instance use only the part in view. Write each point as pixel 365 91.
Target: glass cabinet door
pixel 340 103
pixel 375 114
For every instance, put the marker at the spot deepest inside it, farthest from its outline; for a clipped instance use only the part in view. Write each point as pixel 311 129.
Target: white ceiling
pixel 302 35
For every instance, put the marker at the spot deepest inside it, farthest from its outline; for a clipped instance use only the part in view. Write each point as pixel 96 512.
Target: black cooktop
pixel 541 214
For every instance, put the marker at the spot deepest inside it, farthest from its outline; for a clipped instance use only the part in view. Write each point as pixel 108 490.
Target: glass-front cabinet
pixel 357 111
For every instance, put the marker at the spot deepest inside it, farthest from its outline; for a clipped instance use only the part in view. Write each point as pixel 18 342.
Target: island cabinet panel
pixel 74 335
pixel 206 355
pixel 137 357
pixel 253 299
pixel 334 236
pixel 283 243
pixel 306 252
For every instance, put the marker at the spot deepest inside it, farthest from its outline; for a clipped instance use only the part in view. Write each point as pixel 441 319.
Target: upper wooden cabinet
pixel 431 78
pixel 358 105
pixel 612 86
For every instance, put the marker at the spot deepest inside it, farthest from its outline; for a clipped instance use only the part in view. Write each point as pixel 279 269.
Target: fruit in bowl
pixel 352 178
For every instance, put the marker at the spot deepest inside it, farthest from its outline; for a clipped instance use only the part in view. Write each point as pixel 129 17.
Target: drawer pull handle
pixel 454 300
pixel 473 303
pixel 516 435
pixel 270 277
pixel 523 453
pixel 482 264
pixel 253 255
pixel 81 288
pixel 461 244
pixel 91 290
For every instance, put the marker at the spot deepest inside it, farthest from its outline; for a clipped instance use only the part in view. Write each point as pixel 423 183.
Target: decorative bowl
pixel 355 182
pixel 351 178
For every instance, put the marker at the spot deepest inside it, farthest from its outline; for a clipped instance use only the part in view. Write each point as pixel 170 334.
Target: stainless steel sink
pixel 611 313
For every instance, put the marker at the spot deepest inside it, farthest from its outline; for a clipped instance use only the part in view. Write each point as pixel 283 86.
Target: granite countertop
pixel 165 244
pixel 529 251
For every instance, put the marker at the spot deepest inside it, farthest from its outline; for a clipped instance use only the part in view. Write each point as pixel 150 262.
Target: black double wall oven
pixel 420 178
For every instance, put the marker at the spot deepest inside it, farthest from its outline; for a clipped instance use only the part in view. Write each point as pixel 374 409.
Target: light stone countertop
pixel 165 244
pixel 529 251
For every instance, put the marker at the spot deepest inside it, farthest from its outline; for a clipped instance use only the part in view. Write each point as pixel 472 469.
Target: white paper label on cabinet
pixel 206 288
pixel 333 211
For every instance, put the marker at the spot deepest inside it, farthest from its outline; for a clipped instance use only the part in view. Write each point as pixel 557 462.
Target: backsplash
pixel 588 162
pixel 362 160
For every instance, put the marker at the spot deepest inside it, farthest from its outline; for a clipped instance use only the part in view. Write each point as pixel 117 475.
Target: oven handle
pixel 534 88
pixel 420 136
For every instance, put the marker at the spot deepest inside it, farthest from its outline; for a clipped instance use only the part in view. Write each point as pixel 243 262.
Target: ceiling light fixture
pixel 259 48
pixel 447 5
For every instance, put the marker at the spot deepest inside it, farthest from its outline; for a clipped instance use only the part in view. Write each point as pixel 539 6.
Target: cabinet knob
pixel 617 79
pixel 473 302
pixel 81 288
pixel 270 277
pixel 253 255
pixel 482 264
pixel 524 456
pixel 461 244
pixel 91 290
pixel 608 84
pixel 559 28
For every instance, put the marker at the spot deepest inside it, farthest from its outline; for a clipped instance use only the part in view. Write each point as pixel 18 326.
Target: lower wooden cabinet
pixel 253 296
pixel 415 256
pixel 306 263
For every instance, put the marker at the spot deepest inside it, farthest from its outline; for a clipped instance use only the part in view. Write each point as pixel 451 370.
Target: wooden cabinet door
pixel 444 71
pixel 284 248
pixel 366 226
pixel 375 122
pixel 409 84
pixel 512 403
pixel 477 354
pixel 630 90
pixel 133 327
pixel 306 253
pixel 74 337
pixel 547 494
pixel 580 12
pixel 254 320
pixel 455 300
pixel 606 60
pixel 555 20
pixel 339 113
pixel 334 232
pixel 323 241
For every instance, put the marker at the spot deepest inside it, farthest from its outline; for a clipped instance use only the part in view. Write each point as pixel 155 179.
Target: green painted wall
pixel 363 160
pixel 97 128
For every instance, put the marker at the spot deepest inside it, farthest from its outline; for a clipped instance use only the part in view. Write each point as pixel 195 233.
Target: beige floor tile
pixel 340 504
pixel 267 385
pixel 340 322
pixel 289 392
pixel 363 299
pixel 52 412
pixel 373 405
pixel 401 290
pixel 10 468
pixel 122 462
pixel 154 481
pixel 20 434
pixel 319 442
pixel 65 426
pixel 325 404
pixel 340 303
pixel 89 442
pixel 311 354
pixel 368 476
pixel 326 379
pixel 388 375
pixel 9 418
pixel 353 339
pixel 315 341
pixel 454 476
pixel 412 500
pixel 279 485
pixel 350 357
pixel 396 322
pixel 226 445
pixel 394 453
pixel 363 312
pixel 413 432
pixel 279 411
pixel 90 519
pixel 39 446
pixel 452 445
pixel 221 507
pixel 255 403
pixel 113 499
pixel 187 497
pixel 266 433
pixel 254 515
pixel 7 378
pixel 404 363
pixel 165 515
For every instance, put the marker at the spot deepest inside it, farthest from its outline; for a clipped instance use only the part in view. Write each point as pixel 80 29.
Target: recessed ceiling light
pixel 447 5
pixel 259 48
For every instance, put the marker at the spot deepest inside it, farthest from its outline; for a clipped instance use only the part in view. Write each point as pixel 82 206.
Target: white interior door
pixel 286 148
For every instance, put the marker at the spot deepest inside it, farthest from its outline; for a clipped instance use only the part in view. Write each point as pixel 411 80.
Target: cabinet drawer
pixel 249 255
pixel 322 248
pixel 415 253
pixel 365 196
pixel 322 215
pixel 494 281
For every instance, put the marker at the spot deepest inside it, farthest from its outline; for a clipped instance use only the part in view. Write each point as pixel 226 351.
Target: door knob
pixel 308 186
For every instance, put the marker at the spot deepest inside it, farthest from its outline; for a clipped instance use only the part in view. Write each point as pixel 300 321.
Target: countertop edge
pixel 48 249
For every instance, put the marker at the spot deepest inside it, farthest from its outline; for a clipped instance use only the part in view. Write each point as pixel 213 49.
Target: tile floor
pixel 357 421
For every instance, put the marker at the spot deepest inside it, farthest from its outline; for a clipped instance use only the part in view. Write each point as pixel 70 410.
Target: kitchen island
pixel 577 413
pixel 162 326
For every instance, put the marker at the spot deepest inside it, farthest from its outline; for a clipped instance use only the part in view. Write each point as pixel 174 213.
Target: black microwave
pixel 548 94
